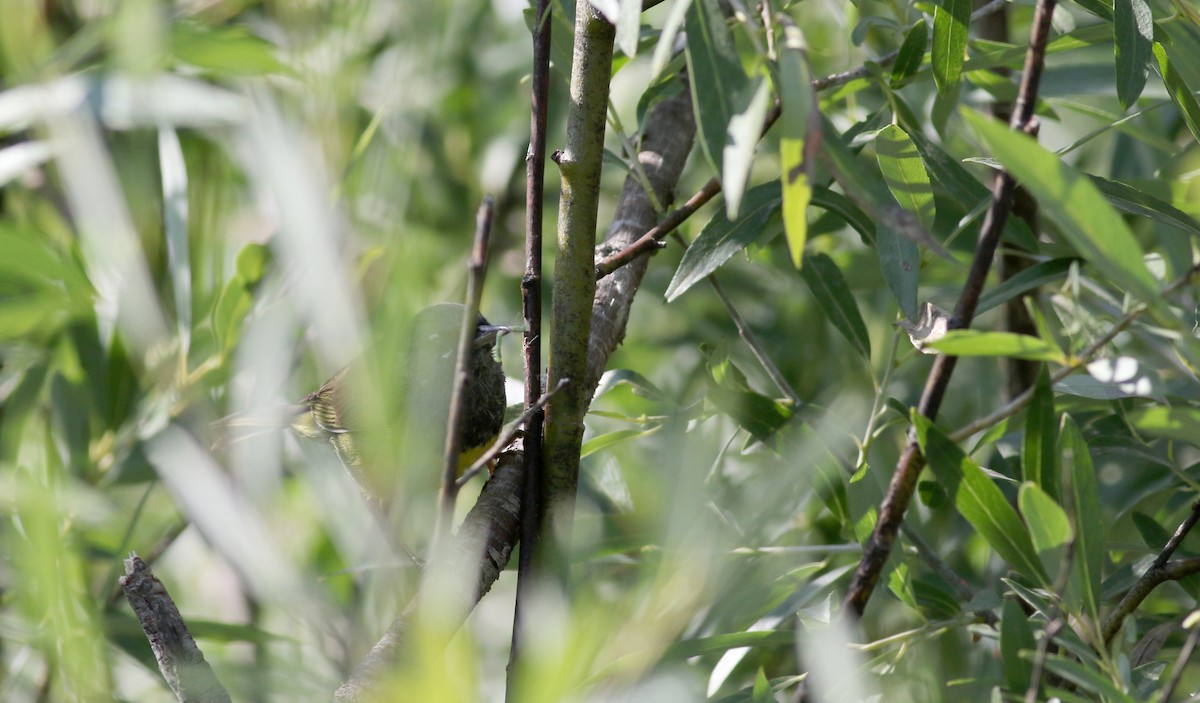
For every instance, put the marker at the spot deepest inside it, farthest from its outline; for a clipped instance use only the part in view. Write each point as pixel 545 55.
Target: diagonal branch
pixel 904 480
pixel 1160 571
pixel 179 659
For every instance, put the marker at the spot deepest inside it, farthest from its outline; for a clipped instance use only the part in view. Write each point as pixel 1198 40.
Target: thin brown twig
pixel 1160 570
pixel 531 308
pixel 1185 653
pixel 476 271
pixel 1053 626
pixel 507 437
pixel 904 480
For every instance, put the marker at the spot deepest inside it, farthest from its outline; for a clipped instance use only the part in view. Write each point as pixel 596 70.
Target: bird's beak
pixel 486 335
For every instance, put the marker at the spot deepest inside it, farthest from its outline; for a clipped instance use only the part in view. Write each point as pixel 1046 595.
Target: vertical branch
pixel 476 270
pixel 531 298
pixel 904 480
pixel 574 274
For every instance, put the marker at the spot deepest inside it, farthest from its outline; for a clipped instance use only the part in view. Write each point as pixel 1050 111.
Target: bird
pixel 336 412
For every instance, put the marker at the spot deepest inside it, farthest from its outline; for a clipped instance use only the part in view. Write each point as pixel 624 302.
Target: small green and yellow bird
pixel 330 413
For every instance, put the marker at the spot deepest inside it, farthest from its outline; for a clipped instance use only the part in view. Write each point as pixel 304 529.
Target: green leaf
pixel 1181 423
pixel 716 75
pixel 229 50
pixel 1036 276
pixel 1049 526
pixel 900 262
pixel 911 53
pixel 980 501
pixel 1006 344
pixel 1089 223
pixel 951 20
pixel 728 391
pixel 762 688
pixel 1133 35
pixel 1015 635
pixel 1179 90
pixel 800 134
pixel 828 286
pixel 905 174
pixel 847 210
pixel 721 238
pixel 611 439
pixel 949 174
pixel 1089 526
pixel 1039 449
pixel 1128 199
pixel 745 127
pixel 629 23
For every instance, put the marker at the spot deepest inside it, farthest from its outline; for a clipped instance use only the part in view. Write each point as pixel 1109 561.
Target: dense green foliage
pixel 209 207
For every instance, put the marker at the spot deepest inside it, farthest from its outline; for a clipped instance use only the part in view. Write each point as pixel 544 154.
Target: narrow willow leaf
pixel 980 501
pixel 1179 90
pixel 905 174
pixel 1089 526
pixel 1089 223
pixel 1039 450
pixel 825 280
pixel 665 47
pixel 629 24
pixel 951 19
pixel 847 210
pixel 911 54
pixel 899 258
pixel 900 262
pixel 1133 35
pixel 1006 344
pixel 1016 636
pixel 716 75
pixel 610 439
pixel 175 226
pixel 721 238
pixel 1128 199
pixel 1049 526
pixel 1180 422
pixel 744 129
pixel 1040 274
pixel 800 133
pixel 949 174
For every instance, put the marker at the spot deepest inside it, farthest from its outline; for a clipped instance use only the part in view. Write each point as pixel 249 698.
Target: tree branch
pixel 179 659
pixel 531 299
pixel 1160 571
pixel 574 283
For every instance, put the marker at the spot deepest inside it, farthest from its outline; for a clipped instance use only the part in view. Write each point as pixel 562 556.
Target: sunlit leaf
pixel 745 126
pixel 1180 91
pixel 1083 215
pixel 798 141
pixel 1049 526
pixel 1179 422
pixel 1006 344
pixel 905 173
pixel 951 20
